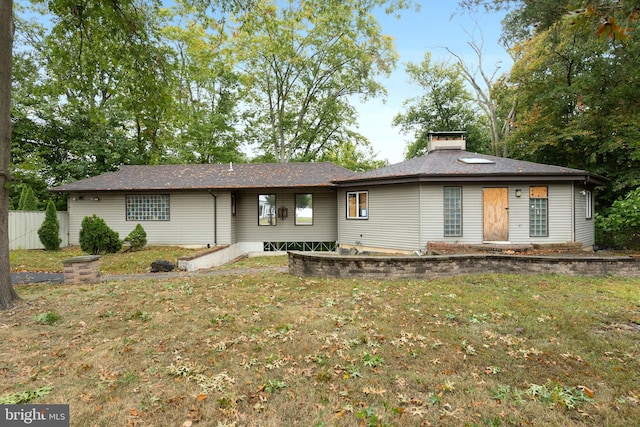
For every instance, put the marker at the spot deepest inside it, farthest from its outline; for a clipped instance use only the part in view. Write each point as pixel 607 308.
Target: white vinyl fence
pixel 24 225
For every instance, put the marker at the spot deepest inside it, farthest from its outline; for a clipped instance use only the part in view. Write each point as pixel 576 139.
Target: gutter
pixel 215 217
pixel 590 179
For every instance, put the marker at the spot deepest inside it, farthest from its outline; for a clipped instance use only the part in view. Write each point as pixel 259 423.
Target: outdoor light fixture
pixel 518 192
pixel 283 212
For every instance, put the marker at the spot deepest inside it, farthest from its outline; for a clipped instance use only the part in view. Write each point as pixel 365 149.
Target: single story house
pixel 452 195
pixel 447 195
pixel 254 207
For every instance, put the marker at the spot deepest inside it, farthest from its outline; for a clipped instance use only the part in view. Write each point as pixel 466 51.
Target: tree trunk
pixel 8 295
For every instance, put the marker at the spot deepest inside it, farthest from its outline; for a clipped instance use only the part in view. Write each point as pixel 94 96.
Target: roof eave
pixel 586 178
pixel 204 188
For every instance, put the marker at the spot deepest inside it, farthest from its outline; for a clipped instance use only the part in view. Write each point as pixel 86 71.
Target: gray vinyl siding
pixel 560 216
pixel 519 214
pixel 393 218
pixel 223 209
pixel 584 228
pixel 407 217
pixel 191 218
pixel 324 228
pixel 433 214
pixel 233 221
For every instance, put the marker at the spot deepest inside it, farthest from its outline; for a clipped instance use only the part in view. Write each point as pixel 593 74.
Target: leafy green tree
pixel 613 19
pixel 301 62
pixel 97 238
pixel 577 86
pixel 49 231
pixel 357 157
pixel 445 105
pixel 28 200
pixel 207 89
pixel 622 222
pixel 578 97
pixel 93 89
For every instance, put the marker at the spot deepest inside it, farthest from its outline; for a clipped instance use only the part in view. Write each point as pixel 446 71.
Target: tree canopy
pixel 578 88
pixel 445 104
pixel 99 85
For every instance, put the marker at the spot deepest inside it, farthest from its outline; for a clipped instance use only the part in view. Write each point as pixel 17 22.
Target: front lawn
pixel 124 262
pixel 273 349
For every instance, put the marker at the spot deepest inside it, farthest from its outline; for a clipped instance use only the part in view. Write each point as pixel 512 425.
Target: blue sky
pixel 439 24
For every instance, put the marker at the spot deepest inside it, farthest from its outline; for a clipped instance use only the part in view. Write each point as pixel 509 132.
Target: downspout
pixel 422 246
pixel 573 212
pixel 215 218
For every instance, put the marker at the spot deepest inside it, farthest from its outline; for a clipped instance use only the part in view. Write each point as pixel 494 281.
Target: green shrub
pixel 97 238
pixel 621 227
pixel 137 239
pixel 28 200
pixel 49 231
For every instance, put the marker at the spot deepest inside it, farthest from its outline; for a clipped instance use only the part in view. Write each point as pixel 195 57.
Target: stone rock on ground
pixel 161 265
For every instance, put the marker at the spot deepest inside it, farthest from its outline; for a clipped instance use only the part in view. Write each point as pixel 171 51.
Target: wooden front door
pixel 495 203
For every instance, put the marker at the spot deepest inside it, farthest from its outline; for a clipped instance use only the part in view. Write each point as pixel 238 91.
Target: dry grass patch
pixel 262 350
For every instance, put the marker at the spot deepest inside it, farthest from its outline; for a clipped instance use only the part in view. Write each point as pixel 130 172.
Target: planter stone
pixel 82 269
pixel 161 265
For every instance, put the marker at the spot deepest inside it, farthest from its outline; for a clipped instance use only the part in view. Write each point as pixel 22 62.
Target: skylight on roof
pixel 476 161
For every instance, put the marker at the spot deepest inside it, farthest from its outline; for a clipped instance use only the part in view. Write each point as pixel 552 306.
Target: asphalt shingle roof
pixel 212 176
pixel 450 164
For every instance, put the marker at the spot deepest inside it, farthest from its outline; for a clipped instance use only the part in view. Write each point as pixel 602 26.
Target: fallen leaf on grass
pixel 201 397
pixel 372 390
pixel 587 391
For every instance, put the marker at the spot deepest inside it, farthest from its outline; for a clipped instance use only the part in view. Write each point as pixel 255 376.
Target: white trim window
pixel 358 205
pixel 588 204
pixel 148 207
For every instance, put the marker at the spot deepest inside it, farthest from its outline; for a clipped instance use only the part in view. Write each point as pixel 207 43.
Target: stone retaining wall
pixel 307 264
